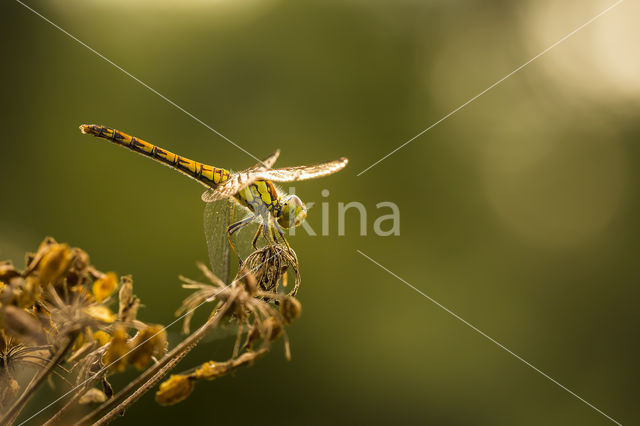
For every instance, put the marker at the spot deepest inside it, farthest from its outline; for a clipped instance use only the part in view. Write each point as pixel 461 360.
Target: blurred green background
pixel 519 213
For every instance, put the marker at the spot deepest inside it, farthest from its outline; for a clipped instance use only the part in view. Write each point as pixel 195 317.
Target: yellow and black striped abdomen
pixel 208 175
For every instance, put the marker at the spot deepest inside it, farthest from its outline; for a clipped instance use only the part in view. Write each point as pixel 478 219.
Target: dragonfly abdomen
pixel 205 174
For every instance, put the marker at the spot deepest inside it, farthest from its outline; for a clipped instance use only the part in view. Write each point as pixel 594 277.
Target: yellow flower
pixel 54 263
pixel 105 286
pixel 174 390
pixel 101 337
pixel 151 341
pixel 100 313
pixel 116 355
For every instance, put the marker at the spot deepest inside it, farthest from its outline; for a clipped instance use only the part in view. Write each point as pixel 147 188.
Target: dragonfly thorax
pixel 262 199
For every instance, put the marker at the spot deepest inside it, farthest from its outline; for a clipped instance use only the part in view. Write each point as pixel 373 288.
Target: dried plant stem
pixel 144 387
pixel 150 377
pixel 10 416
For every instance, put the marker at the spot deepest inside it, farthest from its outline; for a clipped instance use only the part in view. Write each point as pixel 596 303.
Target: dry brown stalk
pixel 56 317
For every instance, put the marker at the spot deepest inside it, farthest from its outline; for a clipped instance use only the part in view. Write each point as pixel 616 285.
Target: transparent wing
pixel 289 174
pixel 217 217
pixel 238 181
pixel 268 162
pixel 213 195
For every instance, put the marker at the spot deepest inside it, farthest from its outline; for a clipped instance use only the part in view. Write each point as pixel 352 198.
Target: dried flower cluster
pixel 61 317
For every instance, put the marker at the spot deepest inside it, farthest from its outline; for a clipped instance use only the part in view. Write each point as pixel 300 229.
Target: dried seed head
pixel 249 281
pixel 81 294
pixel 14 387
pixel 93 396
pixel 54 263
pixel 212 370
pixel 273 328
pixel 78 273
pixel 128 303
pixel 290 309
pixel 10 392
pixel 21 325
pixel 149 342
pixel 8 271
pixel 270 264
pixel 115 355
pixel 105 286
pixel 252 336
pixel 177 388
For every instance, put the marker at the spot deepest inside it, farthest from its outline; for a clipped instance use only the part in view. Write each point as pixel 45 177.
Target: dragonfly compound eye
pixel 293 213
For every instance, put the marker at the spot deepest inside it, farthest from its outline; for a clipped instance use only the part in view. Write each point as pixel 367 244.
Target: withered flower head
pixel 93 396
pixel 15 355
pixel 149 342
pixel 212 370
pixel 9 391
pixel 128 303
pixel 54 263
pixel 75 309
pixel 56 316
pixel 8 271
pixel 100 313
pixel 101 337
pixel 290 308
pixel 175 389
pixel 273 328
pixel 246 303
pixel 269 264
pixel 104 286
pixel 116 354
pixel 79 272
pixel 249 281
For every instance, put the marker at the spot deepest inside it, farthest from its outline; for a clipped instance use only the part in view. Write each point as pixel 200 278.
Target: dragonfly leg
pixel 281 232
pixel 254 242
pixel 235 227
pixel 266 229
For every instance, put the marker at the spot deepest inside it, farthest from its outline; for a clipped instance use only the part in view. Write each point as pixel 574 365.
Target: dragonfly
pixel 252 189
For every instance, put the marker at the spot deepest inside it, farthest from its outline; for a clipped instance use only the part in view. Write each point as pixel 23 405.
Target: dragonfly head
pixel 293 212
